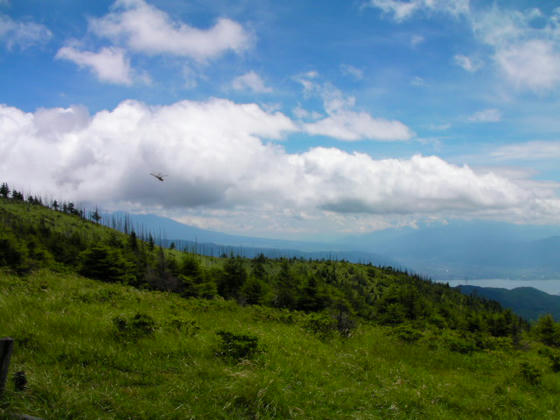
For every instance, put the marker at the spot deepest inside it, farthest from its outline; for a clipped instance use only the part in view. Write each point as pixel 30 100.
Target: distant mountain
pixel 527 302
pixel 212 249
pixel 165 228
pixel 459 250
pixel 207 242
pixel 470 249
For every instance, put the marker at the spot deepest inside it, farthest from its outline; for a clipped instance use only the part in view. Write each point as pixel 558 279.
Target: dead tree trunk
pixel 6 347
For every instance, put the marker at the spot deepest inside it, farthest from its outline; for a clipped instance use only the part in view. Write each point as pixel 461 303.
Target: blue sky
pixel 286 119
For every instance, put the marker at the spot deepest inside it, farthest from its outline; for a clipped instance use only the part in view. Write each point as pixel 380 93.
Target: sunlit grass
pixel 78 368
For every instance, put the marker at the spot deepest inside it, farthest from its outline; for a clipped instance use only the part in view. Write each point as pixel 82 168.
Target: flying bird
pixel 158 175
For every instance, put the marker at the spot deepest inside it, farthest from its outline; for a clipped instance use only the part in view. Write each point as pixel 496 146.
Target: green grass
pixel 79 367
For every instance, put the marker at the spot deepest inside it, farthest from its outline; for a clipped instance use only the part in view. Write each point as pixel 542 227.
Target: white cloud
pixel 352 71
pixel 344 123
pixel 402 10
pixel 251 81
pixel 146 29
pixel 525 44
pixel 352 126
pixel 467 63
pixel 486 115
pixel 22 34
pixel 533 150
pixel 109 64
pixel 527 54
pixel 534 64
pixel 303 114
pixel 219 167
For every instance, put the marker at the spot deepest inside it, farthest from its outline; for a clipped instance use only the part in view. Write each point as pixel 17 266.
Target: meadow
pixel 79 365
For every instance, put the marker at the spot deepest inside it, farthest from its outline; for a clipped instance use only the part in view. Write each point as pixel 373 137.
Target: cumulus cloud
pixel 342 121
pixel 219 166
pixel 486 115
pixel 147 29
pixel 108 64
pixel 250 81
pixel 22 34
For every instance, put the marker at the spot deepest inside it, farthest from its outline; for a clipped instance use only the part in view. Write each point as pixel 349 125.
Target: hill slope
pixel 86 355
pixel 37 237
pixel 527 302
pixel 167 334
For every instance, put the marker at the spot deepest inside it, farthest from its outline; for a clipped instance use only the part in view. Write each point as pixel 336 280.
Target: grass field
pixel 80 365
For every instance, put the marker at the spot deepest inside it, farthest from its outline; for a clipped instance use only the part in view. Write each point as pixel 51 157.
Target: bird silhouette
pixel 158 175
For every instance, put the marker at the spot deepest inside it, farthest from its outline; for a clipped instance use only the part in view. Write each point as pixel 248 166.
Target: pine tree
pixel 234 277
pixel 286 288
pixel 4 190
pixel 96 216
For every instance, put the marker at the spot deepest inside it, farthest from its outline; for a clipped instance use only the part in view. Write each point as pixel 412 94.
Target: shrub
pixel 140 325
pixel 407 333
pixel 284 316
pixel 188 327
pixel 320 324
pixel 13 254
pixel 464 345
pixel 554 357
pixel 530 373
pixel 548 331
pixel 236 347
pixel 341 312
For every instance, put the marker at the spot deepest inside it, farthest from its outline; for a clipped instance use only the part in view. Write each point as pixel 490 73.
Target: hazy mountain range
pixel 457 250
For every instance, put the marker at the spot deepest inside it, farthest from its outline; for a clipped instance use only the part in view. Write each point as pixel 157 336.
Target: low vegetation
pixel 109 325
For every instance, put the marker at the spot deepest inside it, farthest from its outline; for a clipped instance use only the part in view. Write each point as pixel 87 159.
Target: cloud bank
pixel 217 162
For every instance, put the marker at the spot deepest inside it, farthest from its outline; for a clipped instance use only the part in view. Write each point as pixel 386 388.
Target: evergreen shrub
pixel 139 326
pixel 236 347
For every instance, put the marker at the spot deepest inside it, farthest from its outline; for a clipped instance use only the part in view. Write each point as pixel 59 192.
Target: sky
pixel 294 119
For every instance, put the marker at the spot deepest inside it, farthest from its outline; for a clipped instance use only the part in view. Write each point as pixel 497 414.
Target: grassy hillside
pixel 109 325
pixel 36 237
pixel 81 365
